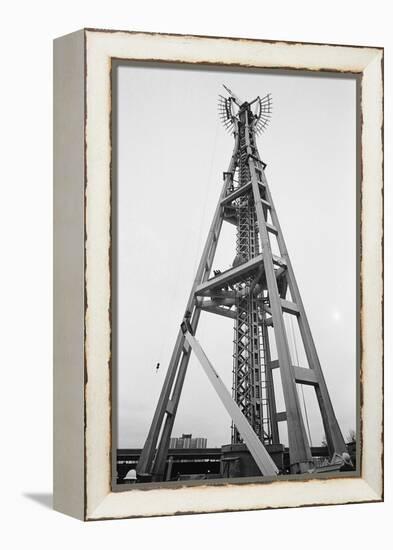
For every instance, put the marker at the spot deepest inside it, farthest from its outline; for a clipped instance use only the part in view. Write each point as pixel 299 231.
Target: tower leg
pixel 166 404
pixel 333 433
pixel 148 451
pixel 162 450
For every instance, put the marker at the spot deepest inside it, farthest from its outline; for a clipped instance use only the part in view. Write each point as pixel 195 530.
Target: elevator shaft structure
pixel 249 366
pixel 256 292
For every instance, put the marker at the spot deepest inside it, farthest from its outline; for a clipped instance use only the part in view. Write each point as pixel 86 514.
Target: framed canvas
pixel 263 386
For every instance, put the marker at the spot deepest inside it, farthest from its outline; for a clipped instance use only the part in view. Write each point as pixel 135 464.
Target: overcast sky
pixel 171 153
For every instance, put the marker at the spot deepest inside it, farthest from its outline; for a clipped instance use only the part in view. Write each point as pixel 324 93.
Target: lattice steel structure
pixel 256 293
pixel 250 389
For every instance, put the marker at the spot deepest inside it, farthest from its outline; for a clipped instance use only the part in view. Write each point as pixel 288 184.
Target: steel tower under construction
pixel 256 292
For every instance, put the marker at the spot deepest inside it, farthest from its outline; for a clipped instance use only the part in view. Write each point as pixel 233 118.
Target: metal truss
pixel 249 345
pixel 255 292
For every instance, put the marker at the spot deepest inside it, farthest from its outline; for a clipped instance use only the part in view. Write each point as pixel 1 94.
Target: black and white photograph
pixel 197 275
pixel 235 275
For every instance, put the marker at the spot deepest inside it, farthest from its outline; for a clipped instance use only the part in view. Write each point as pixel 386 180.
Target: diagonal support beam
pixel 254 445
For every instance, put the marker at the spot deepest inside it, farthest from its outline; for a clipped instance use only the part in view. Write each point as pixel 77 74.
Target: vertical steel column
pixel 247 374
pixel 299 448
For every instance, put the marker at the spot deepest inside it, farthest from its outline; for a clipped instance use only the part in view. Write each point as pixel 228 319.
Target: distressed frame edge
pixel 376 492
pixel 68 270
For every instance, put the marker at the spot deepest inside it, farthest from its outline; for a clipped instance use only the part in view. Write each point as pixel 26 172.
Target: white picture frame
pixel 83 456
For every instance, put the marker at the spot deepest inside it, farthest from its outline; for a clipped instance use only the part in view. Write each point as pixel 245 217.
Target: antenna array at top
pixel 225 110
pixel 228 108
pixel 263 113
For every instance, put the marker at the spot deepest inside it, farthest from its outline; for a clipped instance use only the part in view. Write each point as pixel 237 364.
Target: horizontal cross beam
pixel 305 376
pixel 231 276
pixel 302 375
pixel 239 192
pixel 272 228
pixel 286 306
pixel 218 301
pixel 289 307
